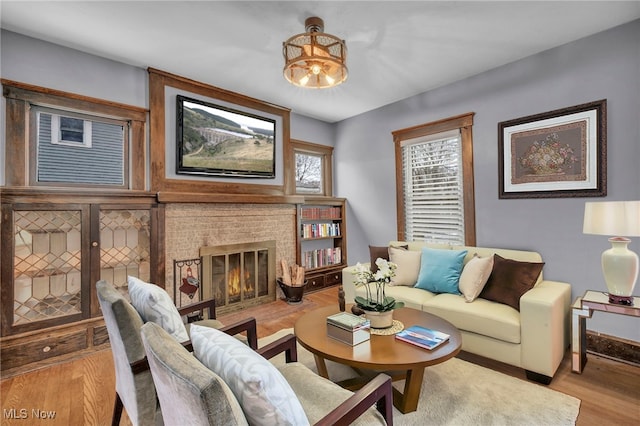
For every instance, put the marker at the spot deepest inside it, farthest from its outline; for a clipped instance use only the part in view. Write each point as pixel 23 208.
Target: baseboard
pixel 613 347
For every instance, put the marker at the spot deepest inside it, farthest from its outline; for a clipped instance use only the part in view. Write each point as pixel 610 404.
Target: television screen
pixel 218 141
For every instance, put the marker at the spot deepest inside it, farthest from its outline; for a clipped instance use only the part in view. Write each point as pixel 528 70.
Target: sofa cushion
pixel 509 280
pixel 483 317
pixel 474 276
pixel 154 304
pixel 376 252
pixel 319 396
pixel 263 393
pixel 408 262
pixel 440 270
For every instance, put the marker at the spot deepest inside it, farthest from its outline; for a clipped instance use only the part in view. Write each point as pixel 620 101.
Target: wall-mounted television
pixel 214 140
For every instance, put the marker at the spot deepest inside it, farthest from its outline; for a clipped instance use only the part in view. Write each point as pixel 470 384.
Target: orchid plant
pixel 375 283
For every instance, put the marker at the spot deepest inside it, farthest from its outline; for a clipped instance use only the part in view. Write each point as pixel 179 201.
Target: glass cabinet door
pixel 57 252
pixel 47 264
pixel 125 250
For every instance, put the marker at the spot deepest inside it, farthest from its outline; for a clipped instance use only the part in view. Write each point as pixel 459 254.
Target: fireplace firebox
pixel 239 275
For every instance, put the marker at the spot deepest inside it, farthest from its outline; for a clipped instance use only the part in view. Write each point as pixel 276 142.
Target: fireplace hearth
pixel 239 275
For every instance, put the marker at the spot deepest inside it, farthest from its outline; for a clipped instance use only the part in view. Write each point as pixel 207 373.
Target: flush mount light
pixel 314 59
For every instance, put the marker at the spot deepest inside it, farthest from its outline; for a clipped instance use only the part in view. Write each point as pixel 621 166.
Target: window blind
pixel 433 188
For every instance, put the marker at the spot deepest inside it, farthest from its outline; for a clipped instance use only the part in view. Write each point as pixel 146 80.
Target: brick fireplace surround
pixel 190 226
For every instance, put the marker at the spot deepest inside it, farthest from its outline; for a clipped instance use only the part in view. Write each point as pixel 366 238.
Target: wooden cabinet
pixel 54 249
pixel 322 248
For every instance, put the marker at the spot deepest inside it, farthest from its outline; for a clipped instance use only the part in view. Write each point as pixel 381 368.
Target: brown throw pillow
pixel 375 252
pixel 509 280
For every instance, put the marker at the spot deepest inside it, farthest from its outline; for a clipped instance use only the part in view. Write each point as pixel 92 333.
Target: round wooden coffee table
pixel 399 359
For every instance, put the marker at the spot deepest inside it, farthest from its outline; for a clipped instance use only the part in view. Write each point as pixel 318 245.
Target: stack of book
pixel 422 336
pixel 348 328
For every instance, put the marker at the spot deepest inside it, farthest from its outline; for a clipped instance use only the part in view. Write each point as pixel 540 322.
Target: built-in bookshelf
pixel 322 241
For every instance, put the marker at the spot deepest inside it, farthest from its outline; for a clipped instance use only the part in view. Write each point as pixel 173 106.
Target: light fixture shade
pixel 619 219
pixel 314 59
pixel 613 218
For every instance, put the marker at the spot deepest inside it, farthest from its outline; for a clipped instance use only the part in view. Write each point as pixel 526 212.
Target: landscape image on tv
pixel 218 141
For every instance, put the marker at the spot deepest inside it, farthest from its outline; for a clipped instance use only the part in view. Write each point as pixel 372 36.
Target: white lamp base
pixel 620 269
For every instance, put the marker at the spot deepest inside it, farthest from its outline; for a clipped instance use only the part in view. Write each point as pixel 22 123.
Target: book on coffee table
pixel 422 337
pixel 348 321
pixel 348 328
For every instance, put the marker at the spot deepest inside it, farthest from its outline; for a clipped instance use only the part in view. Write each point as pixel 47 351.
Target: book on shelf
pixel 322 257
pixel 350 337
pixel 348 321
pixel 311 213
pixel 422 337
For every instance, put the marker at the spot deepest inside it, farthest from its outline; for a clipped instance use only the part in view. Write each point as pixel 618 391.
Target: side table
pixel 582 309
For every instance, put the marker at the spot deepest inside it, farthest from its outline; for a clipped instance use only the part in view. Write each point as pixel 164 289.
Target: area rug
pixel 458 392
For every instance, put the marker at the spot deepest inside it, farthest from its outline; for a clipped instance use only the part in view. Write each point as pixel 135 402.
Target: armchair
pixel 135 390
pixel 195 395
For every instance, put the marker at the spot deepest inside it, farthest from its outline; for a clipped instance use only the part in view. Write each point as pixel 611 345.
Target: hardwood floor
pixel 81 391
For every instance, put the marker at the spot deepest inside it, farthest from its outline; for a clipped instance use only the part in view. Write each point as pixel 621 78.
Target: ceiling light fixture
pixel 314 59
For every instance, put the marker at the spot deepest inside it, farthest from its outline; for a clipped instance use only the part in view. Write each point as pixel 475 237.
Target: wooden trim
pixel 17 112
pixel 21 133
pixel 6 267
pixel 158 81
pixel 137 157
pixel 463 122
pixel 158 266
pixel 199 197
pixel 57 98
pixel 49 195
pixel 443 125
pixel 324 151
pixel 468 186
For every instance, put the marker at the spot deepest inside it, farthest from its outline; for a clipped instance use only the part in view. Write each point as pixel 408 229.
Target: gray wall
pixel 606 65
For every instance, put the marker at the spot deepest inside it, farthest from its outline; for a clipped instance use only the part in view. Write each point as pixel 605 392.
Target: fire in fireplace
pixel 239 275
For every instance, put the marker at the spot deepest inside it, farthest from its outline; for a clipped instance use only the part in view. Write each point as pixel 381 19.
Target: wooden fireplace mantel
pixel 196 197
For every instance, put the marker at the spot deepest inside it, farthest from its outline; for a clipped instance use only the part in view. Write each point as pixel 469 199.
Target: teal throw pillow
pixel 440 270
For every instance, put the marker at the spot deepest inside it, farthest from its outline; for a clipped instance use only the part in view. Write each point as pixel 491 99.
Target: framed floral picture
pixel 560 153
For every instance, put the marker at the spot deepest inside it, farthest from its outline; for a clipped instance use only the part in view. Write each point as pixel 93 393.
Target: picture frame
pixel 214 140
pixel 560 153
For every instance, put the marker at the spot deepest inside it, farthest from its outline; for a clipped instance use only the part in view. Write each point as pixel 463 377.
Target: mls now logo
pixel 23 413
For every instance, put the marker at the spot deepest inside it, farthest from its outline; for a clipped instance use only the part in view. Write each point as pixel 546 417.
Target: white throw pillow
pixel 474 276
pixel 408 262
pixel 262 391
pixel 154 305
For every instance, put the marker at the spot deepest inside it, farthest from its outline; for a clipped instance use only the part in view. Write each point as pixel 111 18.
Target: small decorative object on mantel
pixel 377 306
pixel 292 282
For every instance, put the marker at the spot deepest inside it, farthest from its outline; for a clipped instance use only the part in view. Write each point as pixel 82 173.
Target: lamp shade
pixel 619 219
pixel 613 218
pixel 314 59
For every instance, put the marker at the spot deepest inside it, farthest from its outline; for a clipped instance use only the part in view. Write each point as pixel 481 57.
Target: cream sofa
pixel 534 339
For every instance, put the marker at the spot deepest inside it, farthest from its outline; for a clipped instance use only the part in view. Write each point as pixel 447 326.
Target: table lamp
pixel 618 219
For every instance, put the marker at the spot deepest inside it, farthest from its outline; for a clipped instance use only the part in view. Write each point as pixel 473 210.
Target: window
pixel 312 168
pixel 79 149
pixel 70 131
pixel 64 139
pixel 434 169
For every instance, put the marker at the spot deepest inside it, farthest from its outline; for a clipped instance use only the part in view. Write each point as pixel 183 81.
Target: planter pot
pixel 379 319
pixel 293 295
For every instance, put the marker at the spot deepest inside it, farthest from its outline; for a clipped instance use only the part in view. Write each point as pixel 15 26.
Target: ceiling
pixel 396 49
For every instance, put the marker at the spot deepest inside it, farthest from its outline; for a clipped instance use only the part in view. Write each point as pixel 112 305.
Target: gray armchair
pixel 135 390
pixel 192 394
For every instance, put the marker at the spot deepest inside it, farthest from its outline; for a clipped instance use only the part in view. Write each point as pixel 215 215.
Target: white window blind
pixel 433 188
